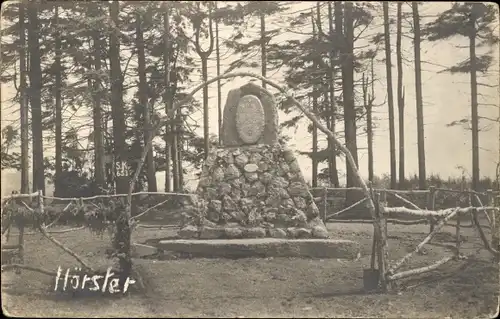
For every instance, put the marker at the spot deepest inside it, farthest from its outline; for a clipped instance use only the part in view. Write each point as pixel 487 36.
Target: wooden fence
pixel 437 218
pixel 36 209
pixel 331 203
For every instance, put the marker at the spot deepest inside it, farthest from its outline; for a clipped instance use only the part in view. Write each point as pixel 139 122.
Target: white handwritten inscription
pixel 76 281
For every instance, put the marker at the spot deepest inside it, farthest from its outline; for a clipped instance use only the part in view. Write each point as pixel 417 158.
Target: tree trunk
pixel 122 178
pixel 116 76
pixel 219 93
pixel 314 155
pixel 99 163
pixel 401 102
pixel 35 76
pixel 143 101
pixel 167 97
pixel 349 106
pixel 204 55
pixel 339 32
pixel 175 159
pixel 422 182
pixel 174 127
pixel 24 103
pixel 368 107
pixel 180 170
pixel 332 160
pixel 262 47
pixel 178 135
pixel 473 98
pixel 58 110
pixel 369 124
pixel 348 92
pixel 206 133
pixel 390 98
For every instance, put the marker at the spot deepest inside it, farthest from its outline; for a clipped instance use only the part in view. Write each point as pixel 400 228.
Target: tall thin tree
pixel 348 91
pixel 204 55
pixel 390 98
pixel 314 154
pixel 332 118
pixel 476 21
pixel 401 102
pixel 368 103
pixel 24 102
pixel 143 101
pixel 422 182
pixel 99 158
pixel 263 43
pixel 168 90
pixel 219 93
pixel 58 106
pixel 473 96
pixel 369 121
pixel 116 77
pixel 35 77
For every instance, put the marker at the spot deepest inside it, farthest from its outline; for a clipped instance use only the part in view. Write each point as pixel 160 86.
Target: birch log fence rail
pixel 322 198
pixel 439 219
pixel 436 218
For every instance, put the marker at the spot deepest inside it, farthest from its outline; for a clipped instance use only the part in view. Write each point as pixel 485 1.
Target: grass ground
pixel 279 287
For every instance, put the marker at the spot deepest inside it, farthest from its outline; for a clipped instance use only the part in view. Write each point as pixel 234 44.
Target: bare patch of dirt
pixel 266 287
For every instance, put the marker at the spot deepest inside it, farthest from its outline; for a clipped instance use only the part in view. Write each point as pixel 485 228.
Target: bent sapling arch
pixel 309 114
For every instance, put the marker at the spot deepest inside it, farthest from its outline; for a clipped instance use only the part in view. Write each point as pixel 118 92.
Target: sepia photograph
pixel 250 159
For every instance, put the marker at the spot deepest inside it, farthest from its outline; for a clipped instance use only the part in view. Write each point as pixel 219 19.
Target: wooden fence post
pixel 20 242
pixel 383 203
pixel 40 205
pixel 375 237
pixel 431 205
pixel 457 234
pixel 381 243
pixel 471 203
pixel 494 226
pixel 325 196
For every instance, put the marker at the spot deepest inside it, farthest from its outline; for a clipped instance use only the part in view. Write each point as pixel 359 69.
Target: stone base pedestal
pixel 253 192
pixel 262 248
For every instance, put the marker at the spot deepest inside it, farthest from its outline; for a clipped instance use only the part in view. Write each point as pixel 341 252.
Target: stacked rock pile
pixel 252 186
pixel 254 191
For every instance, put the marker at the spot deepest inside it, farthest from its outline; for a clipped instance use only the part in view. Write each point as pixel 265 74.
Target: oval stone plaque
pixel 250 119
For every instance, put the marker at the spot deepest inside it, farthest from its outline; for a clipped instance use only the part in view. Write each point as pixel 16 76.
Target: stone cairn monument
pixel 252 186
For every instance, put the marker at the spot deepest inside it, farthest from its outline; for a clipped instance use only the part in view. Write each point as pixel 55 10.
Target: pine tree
pixel 58 107
pixel 390 99
pixel 219 93
pixel 168 95
pixel 197 21
pixel 332 117
pixel 314 154
pixel 35 93
pixel 422 180
pixel 97 99
pixel 401 102
pixel 117 106
pixel 23 102
pixel 143 101
pixel 476 21
pixel 348 91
